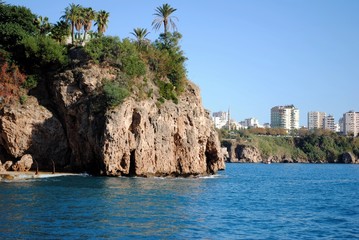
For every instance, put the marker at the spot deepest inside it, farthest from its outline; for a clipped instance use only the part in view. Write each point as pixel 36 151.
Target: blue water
pixel 247 201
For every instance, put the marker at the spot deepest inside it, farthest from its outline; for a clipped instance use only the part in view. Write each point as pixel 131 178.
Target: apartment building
pixel 351 123
pixel 329 123
pixel 316 120
pixel 220 119
pixel 286 117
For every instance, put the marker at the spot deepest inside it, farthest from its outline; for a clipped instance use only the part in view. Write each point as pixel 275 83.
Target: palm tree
pixel 60 31
pixel 89 16
pixel 140 34
pixel 163 16
pixel 71 16
pixel 79 23
pixel 101 21
pixel 42 23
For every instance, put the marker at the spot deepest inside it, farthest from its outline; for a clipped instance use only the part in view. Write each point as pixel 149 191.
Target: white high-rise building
pixel 221 119
pixel 286 117
pixel 329 123
pixel 251 122
pixel 351 123
pixel 316 120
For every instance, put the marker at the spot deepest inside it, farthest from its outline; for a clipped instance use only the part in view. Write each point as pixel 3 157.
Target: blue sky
pixel 251 55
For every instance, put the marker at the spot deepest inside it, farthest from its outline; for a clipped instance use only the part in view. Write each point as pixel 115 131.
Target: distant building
pixel 337 128
pixel 286 117
pixel 351 123
pixel 251 123
pixel 266 125
pixel 220 119
pixel 341 125
pixel 329 123
pixel 221 114
pixel 316 120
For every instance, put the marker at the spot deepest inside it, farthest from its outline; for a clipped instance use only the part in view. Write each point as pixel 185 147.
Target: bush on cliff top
pixel 122 54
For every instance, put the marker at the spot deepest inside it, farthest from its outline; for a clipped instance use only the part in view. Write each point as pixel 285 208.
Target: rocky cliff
pixel 139 137
pixel 246 153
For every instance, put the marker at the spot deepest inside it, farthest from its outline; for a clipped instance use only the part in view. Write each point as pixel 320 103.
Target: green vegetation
pixel 140 34
pixel 31 46
pixel 114 93
pixel 80 18
pixel 163 16
pixel 318 146
pixel 167 91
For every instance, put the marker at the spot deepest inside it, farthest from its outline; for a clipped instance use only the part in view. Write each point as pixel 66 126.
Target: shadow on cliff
pixel 49 146
pixel 75 145
pixel 70 149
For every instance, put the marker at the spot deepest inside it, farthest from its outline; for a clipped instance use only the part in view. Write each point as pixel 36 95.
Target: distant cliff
pixel 306 149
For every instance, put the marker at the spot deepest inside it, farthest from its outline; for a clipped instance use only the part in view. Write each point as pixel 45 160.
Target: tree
pixel 21 16
pixel 89 16
pixel 60 31
pixel 163 16
pixel 174 59
pixel 42 23
pixel 140 34
pixel 102 21
pixel 15 23
pixel 72 15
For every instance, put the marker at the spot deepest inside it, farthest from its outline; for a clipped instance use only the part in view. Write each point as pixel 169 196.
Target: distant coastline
pixel 287 149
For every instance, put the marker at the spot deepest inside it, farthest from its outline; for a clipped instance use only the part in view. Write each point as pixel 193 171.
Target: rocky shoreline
pixel 235 152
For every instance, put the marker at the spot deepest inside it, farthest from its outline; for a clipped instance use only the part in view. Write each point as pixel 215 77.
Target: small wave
pixel 211 176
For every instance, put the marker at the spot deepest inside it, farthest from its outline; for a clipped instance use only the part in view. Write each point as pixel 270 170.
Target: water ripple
pixel 247 201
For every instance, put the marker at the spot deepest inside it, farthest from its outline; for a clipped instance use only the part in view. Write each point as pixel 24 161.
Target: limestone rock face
pixel 348 157
pixel 24 164
pixel 33 129
pixel 248 154
pixel 141 139
pixel 7 165
pixel 2 169
pixel 138 137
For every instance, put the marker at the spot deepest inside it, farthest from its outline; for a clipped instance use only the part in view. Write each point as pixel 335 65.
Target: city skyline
pixel 287 117
pixel 252 55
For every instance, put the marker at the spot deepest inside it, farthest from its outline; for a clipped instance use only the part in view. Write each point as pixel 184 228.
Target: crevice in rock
pixel 132 171
pixel 136 120
pixel 211 157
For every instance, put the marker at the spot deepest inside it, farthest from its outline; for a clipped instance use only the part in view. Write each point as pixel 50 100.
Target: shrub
pixel 114 93
pixel 167 91
pixel 130 60
pixel 103 49
pixel 43 52
pixel 123 54
pixel 31 82
pixel 169 61
pixel 11 80
pixel 23 99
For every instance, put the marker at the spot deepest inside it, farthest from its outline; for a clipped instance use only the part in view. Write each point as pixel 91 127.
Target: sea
pixel 246 201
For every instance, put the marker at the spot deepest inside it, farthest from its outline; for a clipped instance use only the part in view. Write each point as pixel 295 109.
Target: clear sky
pixel 251 55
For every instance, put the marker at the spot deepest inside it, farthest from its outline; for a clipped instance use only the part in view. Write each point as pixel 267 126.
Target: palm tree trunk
pixel 165 26
pixel 72 32
pixel 85 32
